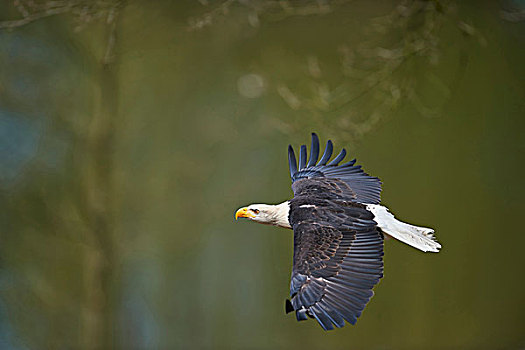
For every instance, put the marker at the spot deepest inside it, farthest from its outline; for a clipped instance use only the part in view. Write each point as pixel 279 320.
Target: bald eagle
pixel 339 227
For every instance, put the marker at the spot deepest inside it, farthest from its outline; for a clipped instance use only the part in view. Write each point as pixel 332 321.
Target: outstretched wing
pixel 338 252
pixel 364 188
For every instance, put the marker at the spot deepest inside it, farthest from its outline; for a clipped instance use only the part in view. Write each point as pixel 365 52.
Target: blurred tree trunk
pixel 97 190
pixel 94 159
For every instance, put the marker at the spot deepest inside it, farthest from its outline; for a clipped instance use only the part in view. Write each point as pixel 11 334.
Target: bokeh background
pixel 131 131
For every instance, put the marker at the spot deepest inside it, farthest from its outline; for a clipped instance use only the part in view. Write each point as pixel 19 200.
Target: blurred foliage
pixel 370 79
pixel 82 11
pixel 131 131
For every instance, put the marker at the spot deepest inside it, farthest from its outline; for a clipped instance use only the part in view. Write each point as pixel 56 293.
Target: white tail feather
pixel 421 238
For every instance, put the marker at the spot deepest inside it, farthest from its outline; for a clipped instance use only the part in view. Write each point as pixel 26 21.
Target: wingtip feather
pixel 302 157
pixel 339 158
pixel 327 153
pixel 292 162
pixel 314 150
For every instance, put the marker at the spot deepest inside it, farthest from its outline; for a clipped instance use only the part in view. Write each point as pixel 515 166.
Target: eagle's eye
pixel 256 211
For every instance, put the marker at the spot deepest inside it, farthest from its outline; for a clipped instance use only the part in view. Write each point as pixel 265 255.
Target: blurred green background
pixel 131 131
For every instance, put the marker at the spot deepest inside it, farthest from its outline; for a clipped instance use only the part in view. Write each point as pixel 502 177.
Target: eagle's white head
pixel 266 214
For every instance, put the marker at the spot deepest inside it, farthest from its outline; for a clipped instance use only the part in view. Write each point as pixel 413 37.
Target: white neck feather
pixel 281 214
pixel 277 214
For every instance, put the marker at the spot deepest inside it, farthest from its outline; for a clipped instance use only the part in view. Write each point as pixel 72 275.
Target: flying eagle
pixel 339 228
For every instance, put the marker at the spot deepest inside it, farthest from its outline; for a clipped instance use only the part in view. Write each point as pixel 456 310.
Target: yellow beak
pixel 243 213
